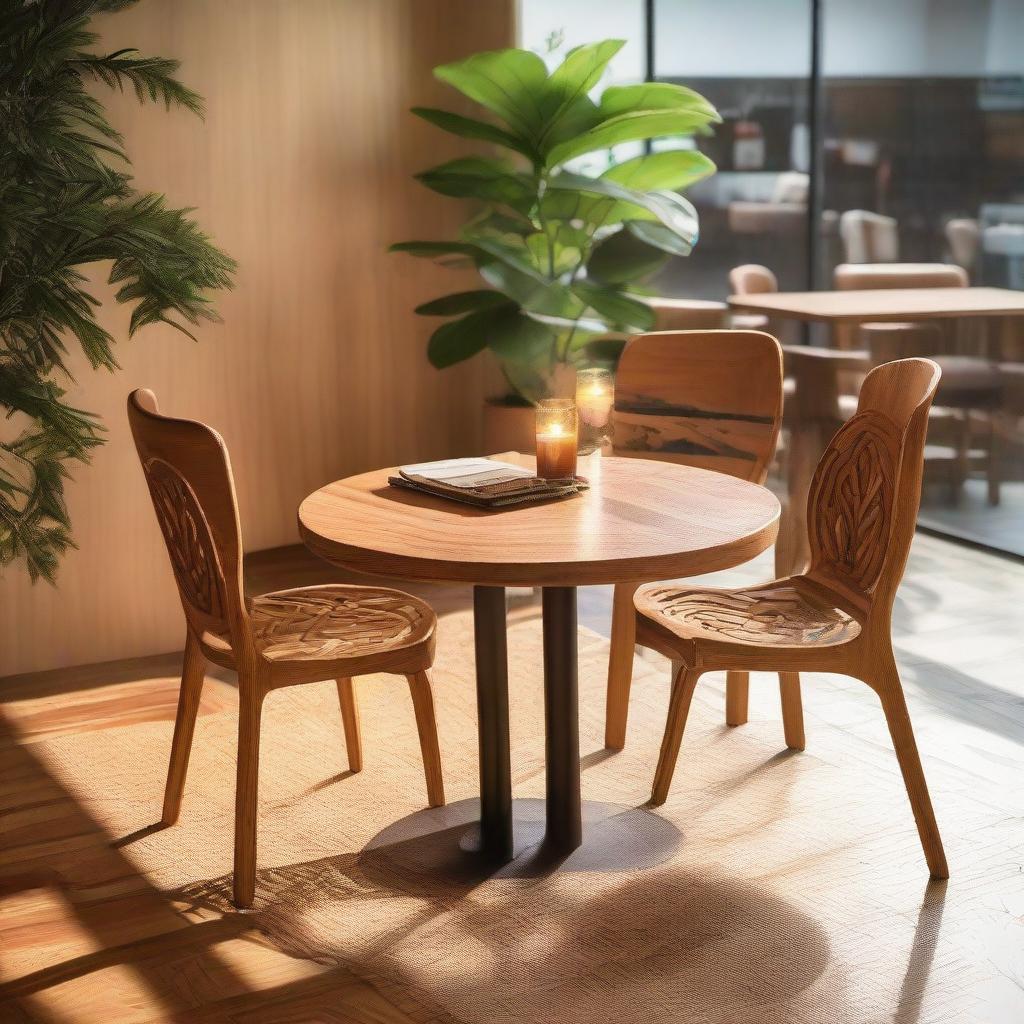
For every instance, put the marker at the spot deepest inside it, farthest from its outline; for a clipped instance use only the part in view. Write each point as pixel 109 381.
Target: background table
pixel 641 520
pixel 878 304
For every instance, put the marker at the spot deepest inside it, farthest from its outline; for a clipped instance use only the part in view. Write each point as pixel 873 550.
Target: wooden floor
pixel 84 937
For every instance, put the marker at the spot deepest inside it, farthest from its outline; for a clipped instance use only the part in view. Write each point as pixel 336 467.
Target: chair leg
pixel 350 721
pixel 192 674
pixel 678 709
pixel 995 437
pixel 426 724
pixel 737 697
pixel 620 666
pixel 792 710
pixel 963 451
pixel 886 683
pixel 250 709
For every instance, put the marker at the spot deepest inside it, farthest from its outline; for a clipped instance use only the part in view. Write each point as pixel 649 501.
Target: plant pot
pixel 508 427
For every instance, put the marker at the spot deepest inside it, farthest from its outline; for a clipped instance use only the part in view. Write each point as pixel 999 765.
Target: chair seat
pixel 334 623
pixel 777 615
pixel 968 379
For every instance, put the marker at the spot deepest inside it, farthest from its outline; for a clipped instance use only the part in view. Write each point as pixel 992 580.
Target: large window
pixel 912 117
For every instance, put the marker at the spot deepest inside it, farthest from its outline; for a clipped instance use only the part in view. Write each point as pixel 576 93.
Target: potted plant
pixel 67 201
pixel 563 244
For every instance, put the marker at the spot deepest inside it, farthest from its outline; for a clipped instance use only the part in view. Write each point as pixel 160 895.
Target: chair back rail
pixel 188 472
pixel 710 399
pixel 864 496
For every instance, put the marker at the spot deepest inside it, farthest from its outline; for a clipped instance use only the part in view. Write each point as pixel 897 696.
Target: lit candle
pixel 556 438
pixel 595 394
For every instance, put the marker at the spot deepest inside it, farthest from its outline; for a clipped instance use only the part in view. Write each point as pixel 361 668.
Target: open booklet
pixel 484 482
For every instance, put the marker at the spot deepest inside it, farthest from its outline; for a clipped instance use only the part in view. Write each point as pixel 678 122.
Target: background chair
pixel 751 279
pixel 967 403
pixel 850 276
pixel 688 314
pixel 970 390
pixel 711 399
pixel 277 639
pixel 836 617
pixel 963 236
pixel 869 237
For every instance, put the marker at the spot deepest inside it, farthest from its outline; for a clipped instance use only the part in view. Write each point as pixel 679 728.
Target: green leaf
pixel 510 83
pixel 623 259
pixel 673 169
pixel 641 124
pixel 532 290
pixel 660 237
pixel 432 250
pixel 461 302
pixel 470 128
pixel 672 210
pixel 459 339
pixel 560 245
pixel 618 309
pixel 627 99
pixel 518 339
pixel 476 177
pixel 568 109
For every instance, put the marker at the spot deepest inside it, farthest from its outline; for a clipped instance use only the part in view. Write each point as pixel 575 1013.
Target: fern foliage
pixel 66 201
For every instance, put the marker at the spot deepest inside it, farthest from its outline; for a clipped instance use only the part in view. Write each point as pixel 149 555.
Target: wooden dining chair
pixel 278 639
pixel 710 399
pixel 688 314
pixel 752 279
pixel 836 617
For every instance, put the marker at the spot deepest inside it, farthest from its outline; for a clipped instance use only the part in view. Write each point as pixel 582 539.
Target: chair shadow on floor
pixel 694 935
pixel 706 931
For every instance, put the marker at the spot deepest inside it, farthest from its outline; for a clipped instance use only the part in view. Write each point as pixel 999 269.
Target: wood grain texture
pixel 885 304
pixel 282 638
pixel 836 617
pixel 302 170
pixel 92 931
pixel 711 399
pixel 640 520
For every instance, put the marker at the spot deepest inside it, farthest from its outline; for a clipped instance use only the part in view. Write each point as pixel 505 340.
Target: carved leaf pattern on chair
pixel 337 622
pixel 851 504
pixel 189 541
pixel 763 615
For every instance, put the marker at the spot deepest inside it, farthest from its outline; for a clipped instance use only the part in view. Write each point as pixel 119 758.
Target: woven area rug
pixel 772 887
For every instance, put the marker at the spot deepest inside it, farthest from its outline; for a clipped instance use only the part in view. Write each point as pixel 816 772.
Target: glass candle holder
pixel 556 438
pixel 595 395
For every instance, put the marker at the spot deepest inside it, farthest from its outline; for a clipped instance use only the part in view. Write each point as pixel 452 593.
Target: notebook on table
pixel 482 482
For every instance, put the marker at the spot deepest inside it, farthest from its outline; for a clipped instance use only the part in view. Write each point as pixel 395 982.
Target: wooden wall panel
pixel 302 172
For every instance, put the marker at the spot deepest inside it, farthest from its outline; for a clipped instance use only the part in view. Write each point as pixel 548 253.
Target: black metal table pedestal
pixel 492 718
pixel 561 713
pixel 561 710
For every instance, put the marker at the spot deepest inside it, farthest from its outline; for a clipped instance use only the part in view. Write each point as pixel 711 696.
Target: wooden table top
pixel 641 520
pixel 863 305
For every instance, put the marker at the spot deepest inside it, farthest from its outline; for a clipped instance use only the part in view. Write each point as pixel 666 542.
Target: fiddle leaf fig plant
pixel 563 253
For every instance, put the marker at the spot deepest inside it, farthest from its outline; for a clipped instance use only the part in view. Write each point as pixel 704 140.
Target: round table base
pixel 446 841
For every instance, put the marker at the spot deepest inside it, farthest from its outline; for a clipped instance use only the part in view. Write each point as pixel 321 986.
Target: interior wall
pixel 302 171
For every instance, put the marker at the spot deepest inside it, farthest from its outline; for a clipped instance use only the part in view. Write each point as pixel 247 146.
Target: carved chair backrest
pixel 752 279
pixel 711 399
pixel 189 476
pixel 862 506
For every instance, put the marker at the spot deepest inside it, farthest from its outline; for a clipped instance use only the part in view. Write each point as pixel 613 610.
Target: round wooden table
pixel 641 520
